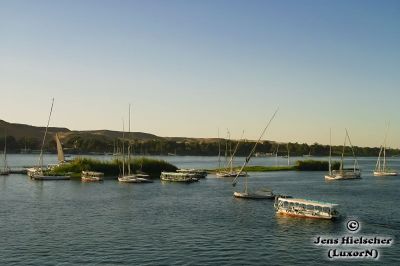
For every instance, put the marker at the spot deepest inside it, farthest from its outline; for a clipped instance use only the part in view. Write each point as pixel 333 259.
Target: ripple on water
pixel 70 223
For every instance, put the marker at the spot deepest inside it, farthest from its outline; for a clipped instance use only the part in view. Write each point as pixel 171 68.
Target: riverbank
pixel 301 165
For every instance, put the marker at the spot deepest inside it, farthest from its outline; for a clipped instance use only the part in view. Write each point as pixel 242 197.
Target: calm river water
pixel 70 223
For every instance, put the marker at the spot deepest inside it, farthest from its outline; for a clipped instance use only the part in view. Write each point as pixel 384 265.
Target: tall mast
pixel 352 150
pixel 44 137
pixel 123 147
pixel 384 148
pixel 219 151
pixel 234 152
pixel 230 152
pixel 341 160
pixel 226 150
pixel 384 156
pixel 330 151
pixel 288 155
pixel 276 155
pixel 129 140
pixel 5 151
pixel 378 162
pixel 252 151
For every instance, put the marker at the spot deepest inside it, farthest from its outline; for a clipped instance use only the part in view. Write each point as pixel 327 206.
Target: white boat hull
pixel 255 195
pixel 178 177
pixel 133 179
pixel 377 173
pixel 307 214
pixel 343 176
pixel 230 174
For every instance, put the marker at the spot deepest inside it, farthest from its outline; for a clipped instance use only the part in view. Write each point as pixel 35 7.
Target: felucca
pixel 381 168
pixel 265 193
pixel 6 169
pixel 38 172
pixel 130 177
pixel 229 172
pixel 343 173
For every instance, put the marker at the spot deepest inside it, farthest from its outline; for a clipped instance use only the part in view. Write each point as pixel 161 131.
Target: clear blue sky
pixel 191 67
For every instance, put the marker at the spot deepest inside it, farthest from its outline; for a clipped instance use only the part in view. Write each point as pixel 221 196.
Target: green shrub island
pixel 151 167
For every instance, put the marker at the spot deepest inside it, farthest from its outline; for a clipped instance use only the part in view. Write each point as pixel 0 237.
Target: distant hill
pixel 19 131
pixel 20 136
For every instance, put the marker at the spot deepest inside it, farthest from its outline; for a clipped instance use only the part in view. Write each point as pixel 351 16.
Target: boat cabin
pixel 306 208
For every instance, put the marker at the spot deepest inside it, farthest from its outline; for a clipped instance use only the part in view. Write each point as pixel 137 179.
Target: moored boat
pixel 306 208
pixel 5 170
pixel 199 173
pixel 91 176
pixel 178 177
pixel 265 193
pixel 247 193
pixel 135 178
pixel 343 173
pixel 38 172
pixel 381 168
pixel 385 173
pixel 33 171
pixel 231 173
pixel 228 171
pixel 130 177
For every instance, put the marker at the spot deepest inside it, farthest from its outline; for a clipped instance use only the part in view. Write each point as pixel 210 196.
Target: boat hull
pixel 230 174
pixel 245 195
pixel 343 176
pixel 134 179
pixel 180 180
pixel 50 178
pixel 306 215
pixel 91 179
pixel 385 173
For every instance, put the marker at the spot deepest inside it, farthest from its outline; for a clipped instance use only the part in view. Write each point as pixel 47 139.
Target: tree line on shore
pixel 83 144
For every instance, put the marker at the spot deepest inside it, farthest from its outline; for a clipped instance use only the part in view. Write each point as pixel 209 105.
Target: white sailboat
pixel 131 177
pixel 229 172
pixel 343 173
pixel 37 173
pixel 60 151
pixel 381 168
pixel 265 193
pixel 6 169
pixel 60 154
